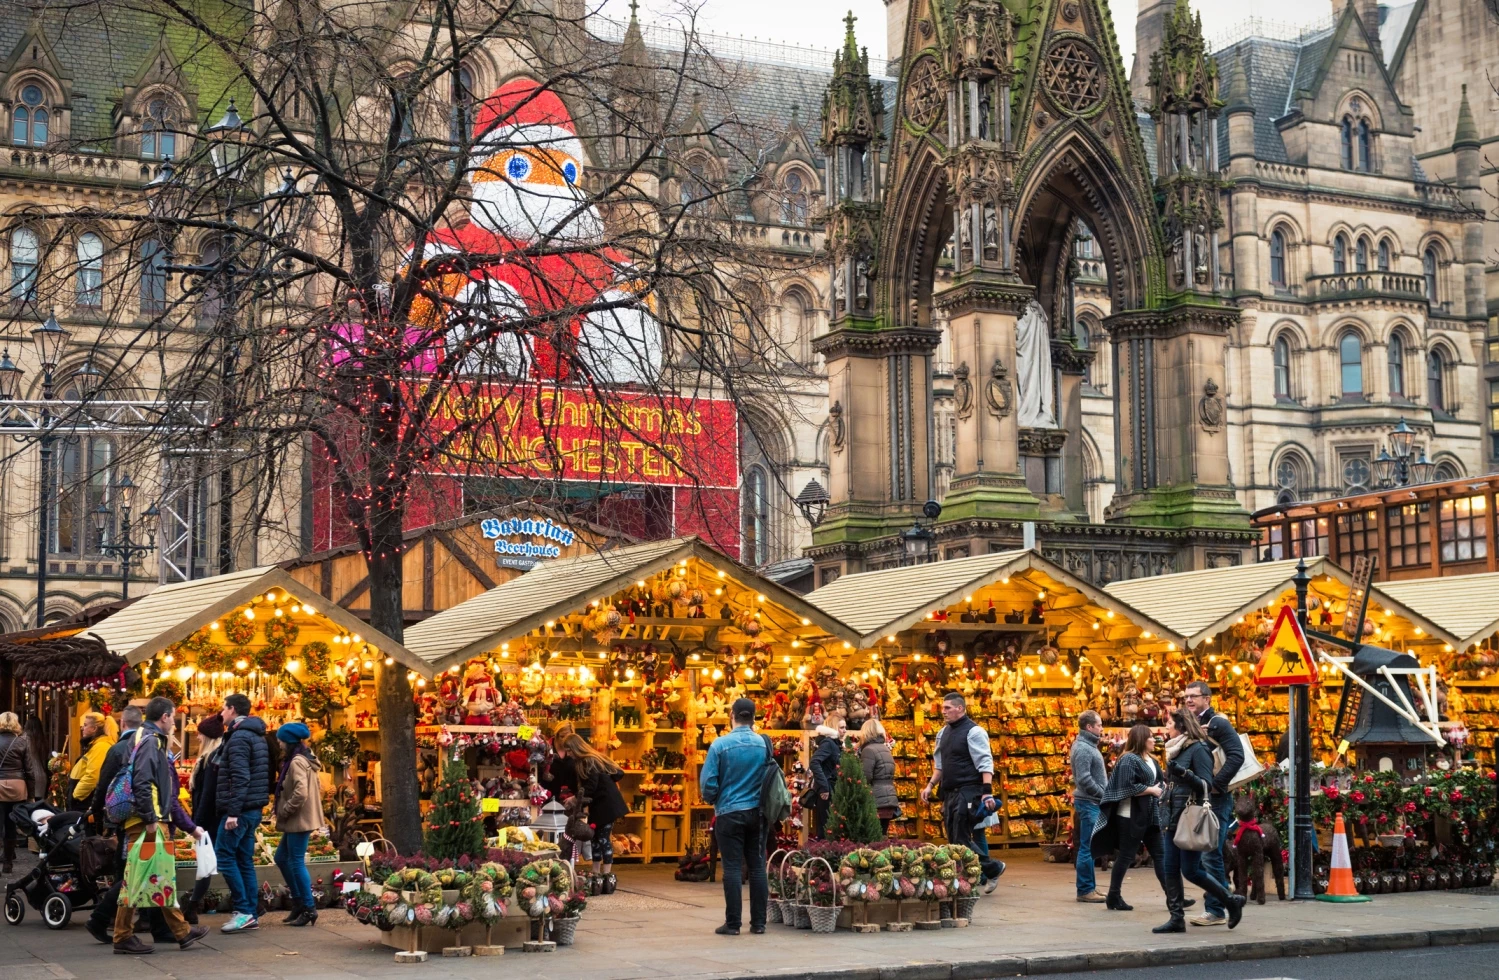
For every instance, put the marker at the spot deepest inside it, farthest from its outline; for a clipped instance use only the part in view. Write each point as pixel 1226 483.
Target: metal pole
pixel 126 552
pixel 44 519
pixel 1301 765
pixel 226 474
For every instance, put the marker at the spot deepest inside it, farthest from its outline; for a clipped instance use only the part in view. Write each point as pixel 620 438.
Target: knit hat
pixel 293 731
pixel 212 726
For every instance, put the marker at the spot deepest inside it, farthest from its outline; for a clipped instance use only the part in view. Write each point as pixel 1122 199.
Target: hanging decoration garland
pixel 317 656
pixel 542 885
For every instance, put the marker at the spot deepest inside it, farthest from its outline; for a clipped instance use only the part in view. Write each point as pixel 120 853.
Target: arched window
pixel 462 115
pixel 1429 270
pixel 30 118
pixel 1448 470
pixel 153 259
pixel 1351 363
pixel 797 324
pixel 1396 354
pixel 25 261
pixel 1282 354
pixel 84 474
pixel 1347 143
pixel 794 205
pixel 1365 146
pixel 90 287
pixel 755 532
pixel 1384 255
pixel 1289 479
pixel 1277 258
pixel 158 131
pixel 1436 381
pixel 1339 255
pixel 1361 256
pixel 1085 342
pixel 695 186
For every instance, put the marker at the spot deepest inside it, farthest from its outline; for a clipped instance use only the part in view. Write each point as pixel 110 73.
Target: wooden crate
pixel 510 932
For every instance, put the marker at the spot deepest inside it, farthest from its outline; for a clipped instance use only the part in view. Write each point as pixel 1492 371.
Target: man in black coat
pixel 1198 699
pixel 243 792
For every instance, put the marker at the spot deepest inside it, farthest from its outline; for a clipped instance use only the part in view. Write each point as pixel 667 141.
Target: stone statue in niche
pixel 985 105
pixel 1033 367
pixel 965 236
pixel 991 233
pixel 962 391
pixel 861 282
pixel 998 391
pixel 840 286
pixel 1174 259
pixel 1200 251
pixel 835 426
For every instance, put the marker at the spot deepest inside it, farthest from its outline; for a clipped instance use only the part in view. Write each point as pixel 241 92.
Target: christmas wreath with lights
pixel 281 633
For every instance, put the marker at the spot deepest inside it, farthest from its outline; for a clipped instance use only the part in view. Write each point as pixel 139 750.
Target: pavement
pixel 655 927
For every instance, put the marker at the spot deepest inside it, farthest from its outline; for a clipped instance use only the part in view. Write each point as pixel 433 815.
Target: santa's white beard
pixel 530 212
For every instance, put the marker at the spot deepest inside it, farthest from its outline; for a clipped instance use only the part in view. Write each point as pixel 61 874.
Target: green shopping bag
pixel 150 874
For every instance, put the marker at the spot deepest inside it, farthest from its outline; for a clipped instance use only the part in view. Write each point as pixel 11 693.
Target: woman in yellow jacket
pixel 96 741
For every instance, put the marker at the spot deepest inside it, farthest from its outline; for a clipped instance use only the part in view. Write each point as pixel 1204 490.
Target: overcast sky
pixel 818 23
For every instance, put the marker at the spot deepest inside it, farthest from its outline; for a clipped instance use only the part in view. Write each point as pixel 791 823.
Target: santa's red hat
pixel 522 113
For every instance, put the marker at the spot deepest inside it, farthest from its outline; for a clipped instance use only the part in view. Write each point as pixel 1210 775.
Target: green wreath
pixel 271 659
pixel 235 654
pixel 281 633
pixel 865 874
pixel 197 643
pixel 214 658
pixel 319 698
pixel 239 630
pixel 169 689
pixel 317 657
pixel 970 869
pixel 539 883
pixel 418 897
pixel 488 892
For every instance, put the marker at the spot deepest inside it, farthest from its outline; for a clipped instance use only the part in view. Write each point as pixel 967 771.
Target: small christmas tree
pixel 852 814
pixel 454 828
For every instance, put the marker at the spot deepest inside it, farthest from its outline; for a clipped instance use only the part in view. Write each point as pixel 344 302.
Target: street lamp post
pixel 1394 466
pixel 127 551
pixel 918 540
pixel 50 341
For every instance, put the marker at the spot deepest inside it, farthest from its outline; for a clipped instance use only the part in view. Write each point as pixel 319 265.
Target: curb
pixel 1041 965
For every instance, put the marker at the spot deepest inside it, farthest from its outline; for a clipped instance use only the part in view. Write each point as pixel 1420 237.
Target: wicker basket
pixel 966 907
pixel 824 917
pixel 803 920
pixel 563 930
pixel 773 910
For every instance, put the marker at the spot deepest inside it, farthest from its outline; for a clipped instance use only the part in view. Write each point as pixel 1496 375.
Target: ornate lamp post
pixel 50 341
pixel 1394 466
pixel 127 551
pixel 918 541
pixel 813 502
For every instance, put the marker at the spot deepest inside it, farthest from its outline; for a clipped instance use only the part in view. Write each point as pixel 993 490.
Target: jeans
pixel 235 850
pixel 960 812
pixel 1085 816
pixel 1130 839
pixel 125 914
pixel 1212 860
pixel 1179 864
pixel 741 844
pixel 291 858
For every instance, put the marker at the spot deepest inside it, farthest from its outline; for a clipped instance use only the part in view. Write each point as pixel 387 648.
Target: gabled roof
pixel 556 588
pixel 1467 606
pixel 174 612
pixel 880 603
pixel 1199 605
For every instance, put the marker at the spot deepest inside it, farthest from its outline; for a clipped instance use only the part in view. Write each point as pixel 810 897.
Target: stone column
pixel 1071 364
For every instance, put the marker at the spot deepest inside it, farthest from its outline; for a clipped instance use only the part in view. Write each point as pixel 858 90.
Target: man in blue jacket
pixel 243 792
pixel 730 779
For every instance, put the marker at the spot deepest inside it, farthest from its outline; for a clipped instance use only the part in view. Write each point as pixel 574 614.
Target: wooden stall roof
pixel 1467 606
pixel 881 603
pixel 1199 605
pixel 174 612
pixel 565 585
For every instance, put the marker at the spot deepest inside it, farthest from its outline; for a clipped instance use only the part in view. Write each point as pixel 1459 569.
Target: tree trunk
pixel 397 712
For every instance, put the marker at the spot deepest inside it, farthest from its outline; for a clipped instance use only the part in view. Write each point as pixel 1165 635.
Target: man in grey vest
pixel 963 766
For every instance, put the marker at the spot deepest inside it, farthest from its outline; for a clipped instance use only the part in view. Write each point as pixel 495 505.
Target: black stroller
pixel 56 886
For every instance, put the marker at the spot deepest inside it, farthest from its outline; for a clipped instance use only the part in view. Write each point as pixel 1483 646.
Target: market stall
pixel 641 649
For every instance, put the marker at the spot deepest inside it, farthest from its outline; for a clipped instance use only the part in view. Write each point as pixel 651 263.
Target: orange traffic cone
pixel 1340 881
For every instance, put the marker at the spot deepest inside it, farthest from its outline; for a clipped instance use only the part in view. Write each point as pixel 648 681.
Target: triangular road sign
pixel 1287 658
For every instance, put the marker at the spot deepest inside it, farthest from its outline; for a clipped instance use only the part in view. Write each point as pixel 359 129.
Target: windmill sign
pixel 1287 658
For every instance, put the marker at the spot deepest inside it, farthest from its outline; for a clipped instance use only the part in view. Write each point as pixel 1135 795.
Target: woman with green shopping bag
pixel 150 871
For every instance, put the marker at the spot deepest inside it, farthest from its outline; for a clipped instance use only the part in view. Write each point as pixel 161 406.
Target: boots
pixel 304 917
pixel 1178 920
pixel 1177 923
pixel 1117 903
pixel 296 911
pixel 190 911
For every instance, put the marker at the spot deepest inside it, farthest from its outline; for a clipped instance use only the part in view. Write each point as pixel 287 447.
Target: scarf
pixel 1246 825
pixel 1174 747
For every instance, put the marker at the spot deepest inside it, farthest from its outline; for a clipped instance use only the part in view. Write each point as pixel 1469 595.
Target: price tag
pixel 489 804
pixel 1343 747
pixel 352 886
pixel 525 732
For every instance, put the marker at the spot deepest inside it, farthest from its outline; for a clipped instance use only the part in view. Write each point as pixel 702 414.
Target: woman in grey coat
pixel 879 771
pixel 1128 815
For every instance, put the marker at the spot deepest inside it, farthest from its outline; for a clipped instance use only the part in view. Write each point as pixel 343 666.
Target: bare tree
pixel 414 244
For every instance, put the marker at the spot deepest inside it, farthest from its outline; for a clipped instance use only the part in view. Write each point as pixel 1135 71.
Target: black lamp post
pixel 127 551
pixel 50 341
pixel 918 541
pixel 1394 466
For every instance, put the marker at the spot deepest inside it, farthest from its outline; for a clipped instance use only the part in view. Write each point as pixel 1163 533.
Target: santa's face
pixel 530 192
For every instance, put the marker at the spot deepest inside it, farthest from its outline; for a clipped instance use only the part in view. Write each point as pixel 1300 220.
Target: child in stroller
pixel 57 885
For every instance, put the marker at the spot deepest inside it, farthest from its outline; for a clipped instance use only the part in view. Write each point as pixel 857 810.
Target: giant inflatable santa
pixel 526 166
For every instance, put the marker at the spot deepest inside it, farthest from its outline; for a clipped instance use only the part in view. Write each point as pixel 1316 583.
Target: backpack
pixel 119 799
pixel 775 798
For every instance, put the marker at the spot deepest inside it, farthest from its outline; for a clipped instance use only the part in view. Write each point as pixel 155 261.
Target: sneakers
pixel 727 930
pixel 1207 920
pixel 133 947
pixel 240 923
pixel 191 939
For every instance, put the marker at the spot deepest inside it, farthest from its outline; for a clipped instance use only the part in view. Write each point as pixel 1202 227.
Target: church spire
pixel 853 130
pixel 1467 128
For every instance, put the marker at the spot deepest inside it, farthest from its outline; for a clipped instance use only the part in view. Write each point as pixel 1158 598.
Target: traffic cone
pixel 1340 880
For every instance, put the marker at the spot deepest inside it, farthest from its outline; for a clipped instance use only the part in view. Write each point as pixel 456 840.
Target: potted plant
pixel 822 896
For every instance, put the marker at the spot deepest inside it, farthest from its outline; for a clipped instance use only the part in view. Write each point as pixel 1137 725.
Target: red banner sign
pixel 560 433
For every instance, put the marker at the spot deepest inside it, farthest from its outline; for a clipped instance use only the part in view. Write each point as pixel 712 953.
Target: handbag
pixel 150 875
pixel 1197 827
pixel 1251 767
pixel 12 790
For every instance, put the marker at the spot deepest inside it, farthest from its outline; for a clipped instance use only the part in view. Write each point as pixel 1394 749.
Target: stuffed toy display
pixel 479 696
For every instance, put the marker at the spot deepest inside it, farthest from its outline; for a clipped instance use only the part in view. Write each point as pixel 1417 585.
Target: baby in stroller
pixel 58 884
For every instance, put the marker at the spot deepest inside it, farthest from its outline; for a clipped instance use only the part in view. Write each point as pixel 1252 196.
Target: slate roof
pixel 1271 67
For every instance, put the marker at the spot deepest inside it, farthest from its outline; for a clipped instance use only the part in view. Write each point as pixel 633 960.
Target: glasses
pixel 1193 696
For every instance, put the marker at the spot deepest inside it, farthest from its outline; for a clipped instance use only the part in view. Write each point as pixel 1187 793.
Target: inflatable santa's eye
pixel 519 168
pixel 570 172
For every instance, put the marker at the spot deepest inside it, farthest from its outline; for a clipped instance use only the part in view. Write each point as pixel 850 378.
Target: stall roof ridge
pixel 1200 604
pixel 1467 606
pixel 894 599
pixel 560 586
pixel 172 613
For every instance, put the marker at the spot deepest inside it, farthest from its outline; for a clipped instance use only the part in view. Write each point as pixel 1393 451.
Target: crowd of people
pixel 1141 802
pixel 125 786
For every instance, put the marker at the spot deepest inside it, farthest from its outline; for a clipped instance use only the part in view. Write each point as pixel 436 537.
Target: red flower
pixel 1368 779
pixel 1430 790
pixel 1356 796
pixel 1330 792
pixel 1457 796
pixel 1410 807
pixel 1493 775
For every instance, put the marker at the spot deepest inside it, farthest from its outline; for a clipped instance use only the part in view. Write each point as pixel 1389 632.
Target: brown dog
pixel 1249 843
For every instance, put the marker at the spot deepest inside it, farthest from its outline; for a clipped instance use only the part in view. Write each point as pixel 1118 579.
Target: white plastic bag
pixel 208 862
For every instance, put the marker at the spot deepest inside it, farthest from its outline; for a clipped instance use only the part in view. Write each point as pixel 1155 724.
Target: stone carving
pixel 962 392
pixel 1210 407
pixel 840 287
pixel 861 282
pixel 999 392
pixel 835 425
pixel 1042 442
pixel 1072 75
pixel 1070 10
pixel 991 234
pixel 926 96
